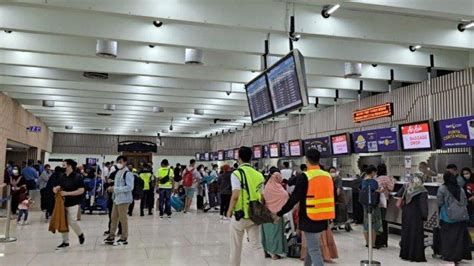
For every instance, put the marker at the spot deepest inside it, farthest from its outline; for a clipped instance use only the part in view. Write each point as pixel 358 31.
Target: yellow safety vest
pixel 255 182
pixel 162 173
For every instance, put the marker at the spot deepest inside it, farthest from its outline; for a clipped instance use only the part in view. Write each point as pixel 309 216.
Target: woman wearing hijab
pixel 414 204
pixel 455 238
pixel 273 235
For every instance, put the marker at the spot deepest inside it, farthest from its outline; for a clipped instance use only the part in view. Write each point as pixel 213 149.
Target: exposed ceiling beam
pixel 352 24
pixel 68 45
pixel 352 48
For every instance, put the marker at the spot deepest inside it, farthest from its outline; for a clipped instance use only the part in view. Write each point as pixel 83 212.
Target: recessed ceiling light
pixel 157 23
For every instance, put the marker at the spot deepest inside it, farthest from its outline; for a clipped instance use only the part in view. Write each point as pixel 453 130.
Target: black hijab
pixel 450 181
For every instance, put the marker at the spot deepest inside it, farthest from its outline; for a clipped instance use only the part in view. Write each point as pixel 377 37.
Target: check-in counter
pixel 394 214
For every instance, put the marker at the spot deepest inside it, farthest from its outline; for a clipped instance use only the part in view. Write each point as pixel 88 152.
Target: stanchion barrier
pixel 7 238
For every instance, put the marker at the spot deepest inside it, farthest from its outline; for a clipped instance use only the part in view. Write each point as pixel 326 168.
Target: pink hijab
pixel 274 193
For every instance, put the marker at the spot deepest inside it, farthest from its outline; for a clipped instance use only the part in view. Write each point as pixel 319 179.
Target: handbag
pixel 258 212
pixel 456 211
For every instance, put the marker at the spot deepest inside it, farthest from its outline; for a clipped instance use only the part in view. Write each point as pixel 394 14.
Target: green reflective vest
pixel 255 182
pixel 146 177
pixel 162 173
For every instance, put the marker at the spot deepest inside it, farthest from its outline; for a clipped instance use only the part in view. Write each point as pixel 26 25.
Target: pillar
pixel 3 155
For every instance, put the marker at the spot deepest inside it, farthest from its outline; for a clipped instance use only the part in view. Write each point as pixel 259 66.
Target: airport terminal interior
pixel 236 132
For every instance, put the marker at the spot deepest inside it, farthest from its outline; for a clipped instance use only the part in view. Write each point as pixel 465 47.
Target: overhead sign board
pixel 371 113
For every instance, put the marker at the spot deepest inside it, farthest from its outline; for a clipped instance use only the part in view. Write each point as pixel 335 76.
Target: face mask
pixel 333 174
pixel 119 165
pixel 15 172
pixel 467 176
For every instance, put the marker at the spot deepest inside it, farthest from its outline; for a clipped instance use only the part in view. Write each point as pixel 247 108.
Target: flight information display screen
pixel 259 99
pixel 220 155
pixel 284 86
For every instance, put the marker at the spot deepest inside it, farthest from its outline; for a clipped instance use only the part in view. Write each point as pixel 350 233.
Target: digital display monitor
pixel 206 156
pixel 274 150
pixel 266 151
pixel 197 156
pixel 220 155
pixel 259 99
pixel 320 144
pixel 377 140
pixel 295 148
pixel 456 132
pixel 416 136
pixel 285 149
pixel 287 83
pixel 229 155
pixel 236 154
pixel 215 156
pixel 257 151
pixel 340 144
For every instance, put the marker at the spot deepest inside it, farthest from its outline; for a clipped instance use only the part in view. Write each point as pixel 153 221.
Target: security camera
pixel 294 37
pixel 157 23
pixel 228 93
pixel 171 127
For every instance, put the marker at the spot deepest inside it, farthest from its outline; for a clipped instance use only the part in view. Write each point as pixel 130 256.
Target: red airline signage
pixel 379 111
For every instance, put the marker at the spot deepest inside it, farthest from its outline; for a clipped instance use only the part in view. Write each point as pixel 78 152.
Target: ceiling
pixel 53 42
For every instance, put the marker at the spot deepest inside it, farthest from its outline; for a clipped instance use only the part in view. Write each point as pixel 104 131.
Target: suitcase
pixel 177 203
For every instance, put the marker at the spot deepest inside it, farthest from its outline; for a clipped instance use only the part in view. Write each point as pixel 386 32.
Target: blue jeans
pixel 21 213
pixel 313 247
pixel 165 197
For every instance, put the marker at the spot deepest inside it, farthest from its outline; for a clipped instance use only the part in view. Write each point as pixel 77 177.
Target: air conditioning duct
pixel 193 56
pixel 199 111
pixel 47 103
pixel 95 75
pixel 109 107
pixel 106 48
pixel 352 70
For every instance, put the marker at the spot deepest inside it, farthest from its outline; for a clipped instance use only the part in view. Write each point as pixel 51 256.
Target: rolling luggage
pixel 177 203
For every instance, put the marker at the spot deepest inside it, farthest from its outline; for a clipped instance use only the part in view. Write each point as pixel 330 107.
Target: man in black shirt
pixel 71 187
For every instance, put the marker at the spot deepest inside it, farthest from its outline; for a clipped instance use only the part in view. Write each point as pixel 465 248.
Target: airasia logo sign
pixel 415 129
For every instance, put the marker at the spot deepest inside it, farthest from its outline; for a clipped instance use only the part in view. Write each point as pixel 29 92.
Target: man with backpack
pixel 147 197
pixel 314 191
pixel 191 178
pixel 122 197
pixel 166 183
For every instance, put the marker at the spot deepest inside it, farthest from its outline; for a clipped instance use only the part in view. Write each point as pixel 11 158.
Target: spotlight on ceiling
pixel 205 136
pixel 244 125
pixel 188 118
pixel 295 37
pixel 157 109
pixel 151 46
pixel 465 25
pixel 47 103
pixel 157 23
pixel 374 65
pixel 413 48
pixel 199 111
pixel 109 107
pixel 68 127
pixel 8 31
pixel 328 10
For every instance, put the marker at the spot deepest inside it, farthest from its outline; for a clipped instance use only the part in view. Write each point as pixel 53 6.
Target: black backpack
pixel 138 186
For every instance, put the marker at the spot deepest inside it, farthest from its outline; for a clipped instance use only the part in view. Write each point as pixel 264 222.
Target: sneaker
pixel 109 241
pixel 121 242
pixel 25 222
pixel 185 211
pixel 106 233
pixel 18 222
pixel 169 216
pixel 161 217
pixel 62 246
pixel 222 217
pixel 82 239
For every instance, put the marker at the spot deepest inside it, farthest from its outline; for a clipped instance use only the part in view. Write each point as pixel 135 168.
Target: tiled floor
pixel 192 239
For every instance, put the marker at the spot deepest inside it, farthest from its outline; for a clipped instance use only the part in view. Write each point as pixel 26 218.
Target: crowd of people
pixel 309 195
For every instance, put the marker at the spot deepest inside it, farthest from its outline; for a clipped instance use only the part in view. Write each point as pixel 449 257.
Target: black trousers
pixel 130 208
pixel 382 239
pixel 147 201
pixel 225 200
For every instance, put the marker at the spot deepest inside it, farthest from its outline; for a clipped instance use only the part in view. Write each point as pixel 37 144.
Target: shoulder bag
pixel 258 212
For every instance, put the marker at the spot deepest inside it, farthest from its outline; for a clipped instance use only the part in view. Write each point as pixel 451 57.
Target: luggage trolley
pixel 342 211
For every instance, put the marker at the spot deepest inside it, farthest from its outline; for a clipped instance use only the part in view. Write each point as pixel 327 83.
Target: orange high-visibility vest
pixel 320 195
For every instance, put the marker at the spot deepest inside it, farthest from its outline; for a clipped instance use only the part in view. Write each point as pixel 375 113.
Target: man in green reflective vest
pixel 239 207
pixel 166 183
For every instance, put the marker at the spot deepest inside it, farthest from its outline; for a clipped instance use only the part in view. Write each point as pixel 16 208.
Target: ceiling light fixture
pixel 465 25
pixel 47 103
pixel 413 48
pixel 374 65
pixel 229 92
pixel 157 109
pixel 151 46
pixel 328 10
pixel 199 111
pixel 8 31
pixel 68 127
pixel 157 23
pixel 109 107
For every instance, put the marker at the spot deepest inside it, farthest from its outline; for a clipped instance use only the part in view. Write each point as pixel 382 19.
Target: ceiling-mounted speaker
pixel 47 103
pixel 193 56
pixel 199 111
pixel 106 48
pixel 352 70
pixel 157 109
pixel 109 107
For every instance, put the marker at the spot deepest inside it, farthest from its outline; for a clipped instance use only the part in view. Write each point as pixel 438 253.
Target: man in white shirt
pixel 286 172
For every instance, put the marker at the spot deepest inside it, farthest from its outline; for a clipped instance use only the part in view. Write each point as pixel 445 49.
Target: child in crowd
pixel 23 207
